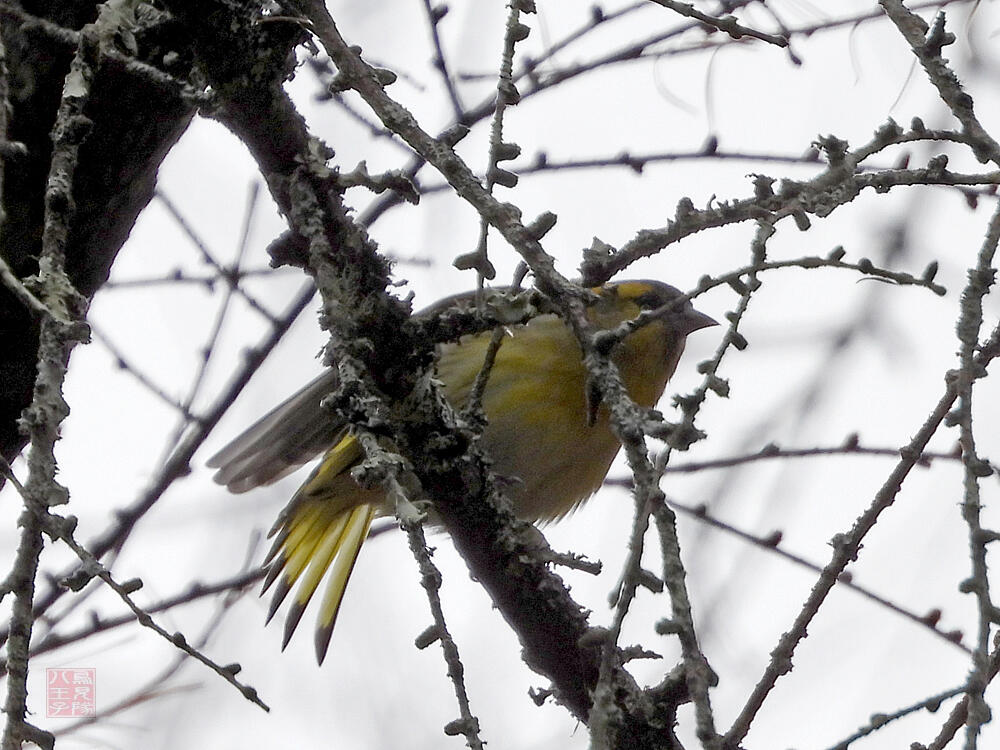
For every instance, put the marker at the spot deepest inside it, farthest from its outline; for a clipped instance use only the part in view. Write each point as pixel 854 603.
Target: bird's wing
pixel 296 431
pixel 290 435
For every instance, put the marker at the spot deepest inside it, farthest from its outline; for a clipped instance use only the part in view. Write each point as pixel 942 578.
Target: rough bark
pixel 135 123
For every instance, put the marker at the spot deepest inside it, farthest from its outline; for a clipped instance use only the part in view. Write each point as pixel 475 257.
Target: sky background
pixel 795 385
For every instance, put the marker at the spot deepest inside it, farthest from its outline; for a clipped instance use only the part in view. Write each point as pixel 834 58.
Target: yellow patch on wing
pixel 319 536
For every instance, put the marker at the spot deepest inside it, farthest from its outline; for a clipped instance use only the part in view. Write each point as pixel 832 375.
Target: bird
pixel 542 432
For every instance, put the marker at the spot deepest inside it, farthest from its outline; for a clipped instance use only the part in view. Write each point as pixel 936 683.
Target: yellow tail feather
pixel 340 572
pixel 318 560
pixel 320 536
pixel 321 543
pixel 295 544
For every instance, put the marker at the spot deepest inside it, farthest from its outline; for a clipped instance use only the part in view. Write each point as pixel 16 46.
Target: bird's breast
pixel 538 433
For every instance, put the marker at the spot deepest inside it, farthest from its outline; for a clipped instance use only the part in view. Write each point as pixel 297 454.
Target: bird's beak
pixel 692 320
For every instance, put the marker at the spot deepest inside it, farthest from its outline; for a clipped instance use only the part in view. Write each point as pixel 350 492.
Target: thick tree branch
pixel 376 347
pixel 135 118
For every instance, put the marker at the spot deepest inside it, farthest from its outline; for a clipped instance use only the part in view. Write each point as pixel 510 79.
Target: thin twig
pixel 959 714
pixel 155 687
pixel 927 48
pixel 58 527
pixel 145 380
pixel 195 592
pixel 847 548
pixel 434 17
pixel 506 96
pixel 881 719
pixel 116 534
pixel 230 275
pixel 60 331
pixel 430 578
pixel 771 544
pixel 970 322
pixel 9 279
pixel 772 451
pixel 727 24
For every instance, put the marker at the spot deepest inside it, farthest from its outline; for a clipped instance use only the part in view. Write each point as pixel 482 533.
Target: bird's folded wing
pixel 290 435
pixel 296 431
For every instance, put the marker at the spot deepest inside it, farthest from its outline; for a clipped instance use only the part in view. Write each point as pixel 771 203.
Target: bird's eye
pixel 649 300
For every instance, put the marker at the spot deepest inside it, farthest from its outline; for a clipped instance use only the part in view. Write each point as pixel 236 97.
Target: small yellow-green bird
pixel 539 433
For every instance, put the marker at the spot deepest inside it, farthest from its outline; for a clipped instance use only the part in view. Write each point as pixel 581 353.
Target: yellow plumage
pixel 541 432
